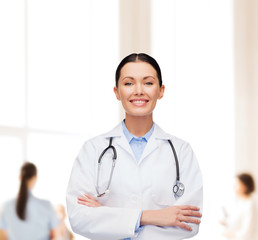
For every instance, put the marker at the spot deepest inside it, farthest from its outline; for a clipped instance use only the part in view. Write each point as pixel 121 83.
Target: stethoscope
pixel 178 188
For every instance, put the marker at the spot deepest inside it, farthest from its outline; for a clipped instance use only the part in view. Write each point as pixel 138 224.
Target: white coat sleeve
pixel 100 222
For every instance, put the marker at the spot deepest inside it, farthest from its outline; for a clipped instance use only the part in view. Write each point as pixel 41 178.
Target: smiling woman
pixel 128 174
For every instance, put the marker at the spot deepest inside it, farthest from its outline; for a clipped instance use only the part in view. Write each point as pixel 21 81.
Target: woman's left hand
pixel 88 201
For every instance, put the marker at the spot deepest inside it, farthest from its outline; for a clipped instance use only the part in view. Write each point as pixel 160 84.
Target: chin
pixel 139 114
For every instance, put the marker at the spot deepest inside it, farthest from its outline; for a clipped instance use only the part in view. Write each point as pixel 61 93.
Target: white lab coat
pixel 134 187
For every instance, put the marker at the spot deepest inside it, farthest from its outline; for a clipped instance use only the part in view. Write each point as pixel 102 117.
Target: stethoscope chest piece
pixel 179 189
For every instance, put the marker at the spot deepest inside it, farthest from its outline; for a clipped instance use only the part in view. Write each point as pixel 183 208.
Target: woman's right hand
pixel 176 216
pixel 88 201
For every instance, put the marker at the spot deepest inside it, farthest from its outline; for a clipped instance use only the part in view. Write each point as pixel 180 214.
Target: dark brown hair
pixel 141 57
pixel 248 181
pixel 28 171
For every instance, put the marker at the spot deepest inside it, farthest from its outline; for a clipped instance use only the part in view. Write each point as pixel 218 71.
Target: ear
pixel 117 93
pixel 161 92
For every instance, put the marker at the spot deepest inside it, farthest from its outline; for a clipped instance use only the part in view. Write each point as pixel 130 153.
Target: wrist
pixel 150 217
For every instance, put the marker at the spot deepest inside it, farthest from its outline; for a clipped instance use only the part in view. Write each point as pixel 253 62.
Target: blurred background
pixel 57 71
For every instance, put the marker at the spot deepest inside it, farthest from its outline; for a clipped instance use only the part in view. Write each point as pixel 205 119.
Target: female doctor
pixel 132 189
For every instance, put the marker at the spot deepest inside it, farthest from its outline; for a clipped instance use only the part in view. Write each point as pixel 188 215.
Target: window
pixel 59 59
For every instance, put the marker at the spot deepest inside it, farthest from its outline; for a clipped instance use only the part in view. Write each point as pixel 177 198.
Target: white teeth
pixel 138 102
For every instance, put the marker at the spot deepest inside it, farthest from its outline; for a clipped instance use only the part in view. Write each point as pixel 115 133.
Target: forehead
pixel 137 69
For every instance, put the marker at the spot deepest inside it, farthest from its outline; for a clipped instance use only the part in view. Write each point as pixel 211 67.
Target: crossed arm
pixel 174 216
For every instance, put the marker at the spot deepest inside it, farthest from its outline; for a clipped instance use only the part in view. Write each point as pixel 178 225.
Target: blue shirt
pixel 40 220
pixel 137 144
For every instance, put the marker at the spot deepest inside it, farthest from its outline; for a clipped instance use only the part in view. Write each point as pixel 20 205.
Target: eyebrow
pixel 134 78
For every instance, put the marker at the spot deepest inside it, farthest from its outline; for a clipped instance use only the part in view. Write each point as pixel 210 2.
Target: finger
pixel 190 220
pixel 189 207
pixel 83 203
pixel 88 203
pixel 91 197
pixel 184 226
pixel 87 196
pixel 86 200
pixel 191 213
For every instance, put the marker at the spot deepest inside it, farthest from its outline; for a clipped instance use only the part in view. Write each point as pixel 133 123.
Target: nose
pixel 139 89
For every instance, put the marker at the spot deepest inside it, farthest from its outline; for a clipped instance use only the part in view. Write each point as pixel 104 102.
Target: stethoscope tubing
pixel 178 188
pixel 110 146
pixel 176 160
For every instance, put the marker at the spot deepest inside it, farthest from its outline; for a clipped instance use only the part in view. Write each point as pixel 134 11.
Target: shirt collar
pixel 130 136
pixel 117 132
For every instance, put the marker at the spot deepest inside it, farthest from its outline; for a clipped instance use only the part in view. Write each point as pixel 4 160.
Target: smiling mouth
pixel 139 102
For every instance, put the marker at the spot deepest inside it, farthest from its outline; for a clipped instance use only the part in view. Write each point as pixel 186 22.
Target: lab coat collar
pixel 160 133
pixel 117 131
pixel 152 144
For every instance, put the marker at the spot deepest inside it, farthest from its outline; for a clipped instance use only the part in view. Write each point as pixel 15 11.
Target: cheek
pixel 125 93
pixel 154 93
pixel 120 93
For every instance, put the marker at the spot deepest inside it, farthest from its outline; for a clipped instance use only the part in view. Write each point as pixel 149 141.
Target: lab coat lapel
pixel 150 147
pixel 123 143
pixel 153 144
pixel 119 138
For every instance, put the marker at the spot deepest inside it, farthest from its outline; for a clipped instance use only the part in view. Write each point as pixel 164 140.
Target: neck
pixel 31 182
pixel 244 196
pixel 138 126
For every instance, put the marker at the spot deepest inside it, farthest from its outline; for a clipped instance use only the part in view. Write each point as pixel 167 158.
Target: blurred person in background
pixel 27 217
pixel 62 233
pixel 239 221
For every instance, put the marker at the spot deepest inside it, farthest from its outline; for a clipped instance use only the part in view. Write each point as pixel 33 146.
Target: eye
pixel 148 83
pixel 128 84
